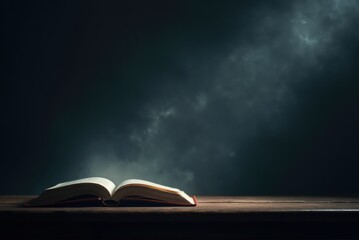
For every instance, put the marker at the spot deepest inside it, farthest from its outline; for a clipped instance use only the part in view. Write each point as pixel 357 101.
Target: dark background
pixel 215 97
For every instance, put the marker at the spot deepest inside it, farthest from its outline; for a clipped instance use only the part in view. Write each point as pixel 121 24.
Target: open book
pixel 97 189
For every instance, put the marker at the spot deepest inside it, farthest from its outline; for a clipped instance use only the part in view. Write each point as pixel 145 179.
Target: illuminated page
pixel 106 183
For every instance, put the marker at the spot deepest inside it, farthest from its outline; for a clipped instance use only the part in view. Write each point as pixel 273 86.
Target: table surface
pixel 215 217
pixel 209 208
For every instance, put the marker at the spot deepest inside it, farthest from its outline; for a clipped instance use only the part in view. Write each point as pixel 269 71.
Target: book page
pixel 109 185
pixel 142 190
pixel 153 185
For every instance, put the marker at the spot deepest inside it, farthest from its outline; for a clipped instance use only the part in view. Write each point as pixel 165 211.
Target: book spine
pixel 195 200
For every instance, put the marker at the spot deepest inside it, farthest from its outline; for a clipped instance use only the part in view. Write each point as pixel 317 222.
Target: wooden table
pixel 214 217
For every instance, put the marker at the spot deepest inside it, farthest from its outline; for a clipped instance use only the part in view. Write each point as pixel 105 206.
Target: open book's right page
pixel 165 193
pixel 147 183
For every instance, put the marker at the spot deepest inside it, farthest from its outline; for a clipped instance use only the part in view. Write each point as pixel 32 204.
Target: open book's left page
pixel 94 186
pixel 106 183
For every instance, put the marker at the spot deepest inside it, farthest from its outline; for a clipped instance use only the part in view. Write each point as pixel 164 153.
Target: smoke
pixel 194 132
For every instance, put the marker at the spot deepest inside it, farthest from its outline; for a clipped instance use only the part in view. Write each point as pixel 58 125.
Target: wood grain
pixel 220 217
pixel 224 208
